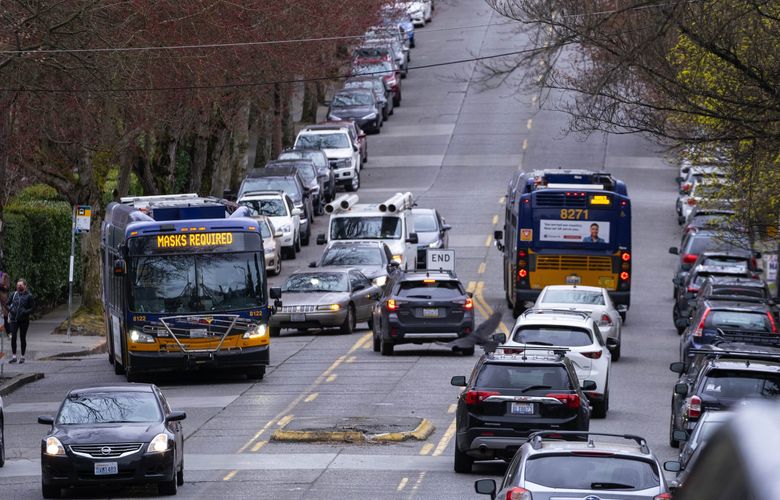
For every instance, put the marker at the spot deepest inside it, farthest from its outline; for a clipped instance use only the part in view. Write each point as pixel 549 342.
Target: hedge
pixel 36 244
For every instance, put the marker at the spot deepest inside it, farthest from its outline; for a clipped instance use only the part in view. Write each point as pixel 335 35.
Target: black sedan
pixel 359 105
pixel 122 434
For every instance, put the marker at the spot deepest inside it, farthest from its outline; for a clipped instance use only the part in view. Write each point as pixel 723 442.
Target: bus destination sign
pixel 193 240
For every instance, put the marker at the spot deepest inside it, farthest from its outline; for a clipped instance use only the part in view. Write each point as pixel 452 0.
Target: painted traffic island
pixel 355 429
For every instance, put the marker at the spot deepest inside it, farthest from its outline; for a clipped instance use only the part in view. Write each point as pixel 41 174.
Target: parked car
pixel 312 182
pixel 123 434
pixel 333 298
pixel 271 245
pixel 387 70
pixel 689 287
pixel 2 434
pixel 279 208
pixel 321 163
pixel 358 105
pixel 343 153
pixel 376 84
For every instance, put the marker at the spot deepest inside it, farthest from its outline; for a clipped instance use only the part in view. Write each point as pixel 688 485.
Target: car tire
pixel 255 372
pixel 2 442
pixel 50 491
pixel 386 347
pixel 623 316
pixel 600 408
pixel 305 239
pixel 348 326
pixel 167 488
pixel 385 113
pixel 354 185
pixel 672 442
pixel 616 352
pixel 468 351
pixel 180 475
pixel 297 245
pixel 274 331
pixel 377 343
pixel 278 267
pixel 463 463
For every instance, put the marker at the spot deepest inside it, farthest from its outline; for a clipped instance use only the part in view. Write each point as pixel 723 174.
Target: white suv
pixel 279 208
pixel 342 153
pixel 577 332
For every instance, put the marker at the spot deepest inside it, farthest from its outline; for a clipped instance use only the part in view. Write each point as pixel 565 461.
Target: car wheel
pixel 274 331
pixel 377 343
pixel 348 326
pixel 50 491
pixel 600 408
pixel 672 442
pixel 463 463
pixel 386 347
pixel 255 372
pixel 385 113
pixel 623 316
pixel 180 475
pixel 354 185
pixel 616 352
pixel 297 245
pixel 167 487
pixel 278 266
pixel 2 442
pixel 305 239
pixel 468 351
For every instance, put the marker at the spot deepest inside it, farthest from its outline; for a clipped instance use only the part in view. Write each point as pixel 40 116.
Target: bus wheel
pixel 118 368
pixel 131 375
pixel 256 372
pixel 274 331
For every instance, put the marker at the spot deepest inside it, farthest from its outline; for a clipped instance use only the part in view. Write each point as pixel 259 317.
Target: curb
pixel 18 381
pixel 420 433
pixel 99 348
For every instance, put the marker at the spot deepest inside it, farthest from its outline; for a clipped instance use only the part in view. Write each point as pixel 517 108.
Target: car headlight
pixel 398 258
pixel 329 307
pixel 370 116
pixel 434 244
pixel 141 338
pixel 343 162
pixel 159 444
pixel 269 250
pixel 380 281
pixel 286 228
pixel 256 331
pixel 54 448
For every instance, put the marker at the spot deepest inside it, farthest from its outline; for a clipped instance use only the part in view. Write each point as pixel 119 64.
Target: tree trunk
pixel 276 127
pixel 240 154
pixel 220 158
pixel 125 166
pixel 288 123
pixel 310 103
pixel 200 155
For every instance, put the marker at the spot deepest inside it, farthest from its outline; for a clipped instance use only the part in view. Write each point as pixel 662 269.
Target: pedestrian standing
pixel 5 285
pixel 20 307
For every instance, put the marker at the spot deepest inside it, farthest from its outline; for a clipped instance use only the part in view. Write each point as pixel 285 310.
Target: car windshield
pixel 372 68
pixel 552 335
pixel 316 282
pixel 702 242
pixel 739 320
pixel 352 99
pixel 273 207
pixel 352 256
pixel 197 283
pixel 592 472
pixel 365 228
pixel 736 263
pixel 430 290
pixel 271 184
pixel 106 408
pixel 323 141
pixel 425 223
pixel 506 376
pixel 589 297
pixel 738 384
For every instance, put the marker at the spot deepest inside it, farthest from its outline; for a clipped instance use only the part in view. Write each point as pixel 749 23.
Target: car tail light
pixel 689 258
pixel 518 493
pixel 694 407
pixel 691 201
pixel 605 320
pixel 692 289
pixel 700 327
pixel 772 324
pixel 474 398
pixel 571 401
pixel 391 305
pixel 469 304
pixel 685 187
pixel 663 496
pixel 592 355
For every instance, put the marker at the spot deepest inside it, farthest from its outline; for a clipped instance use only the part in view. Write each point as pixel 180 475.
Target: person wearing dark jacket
pixel 20 307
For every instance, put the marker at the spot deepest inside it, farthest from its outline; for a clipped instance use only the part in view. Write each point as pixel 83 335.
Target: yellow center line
pixel 230 475
pixel 427 447
pixel 284 420
pixel 495 219
pixel 295 402
pixel 419 480
pixel 481 269
pixel 530 123
pixel 402 484
pixel 351 359
pixel 258 445
pixel 470 287
pixel 331 377
pixel 488 240
pixel 525 144
pixel 452 408
pixel 445 439
pixel 502 200
pixel 311 397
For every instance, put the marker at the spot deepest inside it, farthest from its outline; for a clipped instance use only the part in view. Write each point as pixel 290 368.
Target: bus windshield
pixel 365 228
pixel 197 283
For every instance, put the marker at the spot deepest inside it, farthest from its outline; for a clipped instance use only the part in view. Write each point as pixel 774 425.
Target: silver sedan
pixel 325 299
pixel 593 299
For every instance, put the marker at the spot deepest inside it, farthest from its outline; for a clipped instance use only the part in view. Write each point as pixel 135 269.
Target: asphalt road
pixel 454 144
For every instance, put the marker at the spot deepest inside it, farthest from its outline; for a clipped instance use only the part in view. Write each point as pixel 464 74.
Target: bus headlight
pixel 256 331
pixel 53 447
pixel 141 338
pixel 159 444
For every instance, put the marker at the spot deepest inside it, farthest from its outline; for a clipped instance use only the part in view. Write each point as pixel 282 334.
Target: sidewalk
pixel 42 343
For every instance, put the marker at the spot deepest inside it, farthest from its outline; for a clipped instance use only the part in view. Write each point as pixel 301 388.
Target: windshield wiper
pixel 536 387
pixel 611 486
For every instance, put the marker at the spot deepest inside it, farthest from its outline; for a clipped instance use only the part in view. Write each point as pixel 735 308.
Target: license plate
pixel 521 409
pixel 573 280
pixel 106 468
pixel 298 318
pixel 430 312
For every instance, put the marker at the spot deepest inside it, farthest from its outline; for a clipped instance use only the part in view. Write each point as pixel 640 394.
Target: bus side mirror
pixel 276 292
pixel 120 267
pixel 498 236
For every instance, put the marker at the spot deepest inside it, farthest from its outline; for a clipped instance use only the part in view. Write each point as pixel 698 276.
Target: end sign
pixel 443 259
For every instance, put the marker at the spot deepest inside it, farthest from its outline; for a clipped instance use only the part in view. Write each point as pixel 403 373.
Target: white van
pixel 390 222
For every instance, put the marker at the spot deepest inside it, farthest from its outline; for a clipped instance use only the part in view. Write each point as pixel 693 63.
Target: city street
pixel 454 145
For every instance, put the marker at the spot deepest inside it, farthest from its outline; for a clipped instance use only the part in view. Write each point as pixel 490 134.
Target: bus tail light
pixel 625 256
pixel 624 276
pixel 522 273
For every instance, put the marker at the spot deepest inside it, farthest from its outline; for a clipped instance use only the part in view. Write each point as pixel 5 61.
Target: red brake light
pixel 700 327
pixel 689 258
pixel 522 253
pixel 469 305
pixel 663 496
pixel 692 289
pixel 572 401
pixel 694 407
pixel 592 355
pixel 518 493
pixel 605 320
pixel 772 324
pixel 624 276
pixel 392 305
pixel 685 187
pixel 476 397
pixel 691 201
pixel 626 256
pixel 522 273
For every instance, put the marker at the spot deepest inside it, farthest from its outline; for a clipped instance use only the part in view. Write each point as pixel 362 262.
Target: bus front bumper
pixel 247 357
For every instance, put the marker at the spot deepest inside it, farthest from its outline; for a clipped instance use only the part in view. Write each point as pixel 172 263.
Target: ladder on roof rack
pixel 573 312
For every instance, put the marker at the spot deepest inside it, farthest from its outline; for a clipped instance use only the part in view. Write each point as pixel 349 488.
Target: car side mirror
pixel 612 343
pixel 673 466
pixel 278 234
pixel 120 267
pixel 499 338
pixel 588 385
pixel 677 367
pixel 297 211
pixel 393 266
pixel 313 264
pixel 276 292
pixel 622 308
pixel 446 227
pixel 413 239
pixel 680 435
pixel 46 420
pixel 458 381
pixel 681 389
pixel 176 416
pixel 674 251
pixel 321 239
pixel 485 487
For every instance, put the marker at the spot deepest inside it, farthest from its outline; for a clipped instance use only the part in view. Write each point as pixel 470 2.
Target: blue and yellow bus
pixel 184 286
pixel 566 227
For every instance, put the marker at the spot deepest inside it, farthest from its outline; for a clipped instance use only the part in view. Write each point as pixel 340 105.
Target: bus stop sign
pixel 440 259
pixel 83 216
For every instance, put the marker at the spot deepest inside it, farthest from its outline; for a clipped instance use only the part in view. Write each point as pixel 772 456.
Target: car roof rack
pixel 718 352
pixel 754 337
pixel 541 310
pixel 536 438
pixel 525 350
pixel 753 299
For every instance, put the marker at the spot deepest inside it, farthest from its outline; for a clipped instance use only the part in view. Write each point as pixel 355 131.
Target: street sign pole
pixel 82 215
